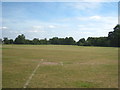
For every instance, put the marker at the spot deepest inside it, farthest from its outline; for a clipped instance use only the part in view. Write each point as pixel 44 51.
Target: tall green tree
pixel 114 36
pixel 70 41
pixel 44 41
pixel 27 41
pixel 35 41
pixel 11 41
pixel 6 41
pixel 20 39
pixel 54 40
pixel 81 42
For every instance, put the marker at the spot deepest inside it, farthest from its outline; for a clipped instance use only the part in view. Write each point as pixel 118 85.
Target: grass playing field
pixel 59 66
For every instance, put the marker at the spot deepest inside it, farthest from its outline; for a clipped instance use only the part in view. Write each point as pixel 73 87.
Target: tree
pixel 81 42
pixel 36 41
pixel 72 41
pixel 1 41
pixel 20 39
pixel 113 40
pixel 54 40
pixel 90 41
pixel 114 36
pixel 6 41
pixel 97 41
pixel 28 41
pixel 11 41
pixel 102 41
pixel 69 41
pixel 61 41
pixel 44 41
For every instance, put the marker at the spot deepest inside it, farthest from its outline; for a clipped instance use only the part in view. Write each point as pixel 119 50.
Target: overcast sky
pixel 58 19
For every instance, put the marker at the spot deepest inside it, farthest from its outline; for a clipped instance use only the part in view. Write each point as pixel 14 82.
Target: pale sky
pixel 58 19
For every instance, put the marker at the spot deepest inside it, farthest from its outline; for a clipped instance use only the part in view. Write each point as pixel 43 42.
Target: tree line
pixel 112 40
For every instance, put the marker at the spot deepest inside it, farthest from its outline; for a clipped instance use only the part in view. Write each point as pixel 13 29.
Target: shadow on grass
pixel 83 84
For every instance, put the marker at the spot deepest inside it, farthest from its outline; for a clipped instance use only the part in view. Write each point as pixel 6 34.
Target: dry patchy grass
pixel 83 67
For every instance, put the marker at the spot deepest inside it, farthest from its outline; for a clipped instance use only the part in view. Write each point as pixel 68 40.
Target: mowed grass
pixel 83 67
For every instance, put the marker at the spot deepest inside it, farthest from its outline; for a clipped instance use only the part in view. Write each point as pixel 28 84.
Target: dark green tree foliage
pixel 1 41
pixel 11 41
pixel 62 41
pixel 90 41
pixel 6 41
pixel 102 41
pixel 44 41
pixel 69 41
pixel 28 41
pixel 20 39
pixel 113 40
pixel 114 37
pixel 35 41
pixel 97 41
pixel 54 40
pixel 81 42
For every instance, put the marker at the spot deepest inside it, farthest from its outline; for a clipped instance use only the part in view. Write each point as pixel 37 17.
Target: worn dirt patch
pixel 50 63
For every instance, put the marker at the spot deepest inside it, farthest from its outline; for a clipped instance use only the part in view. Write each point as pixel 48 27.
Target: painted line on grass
pixel 33 73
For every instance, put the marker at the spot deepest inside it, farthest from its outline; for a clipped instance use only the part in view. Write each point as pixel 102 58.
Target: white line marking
pixel 28 81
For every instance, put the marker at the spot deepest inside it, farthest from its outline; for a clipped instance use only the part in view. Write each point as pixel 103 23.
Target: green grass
pixel 83 67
